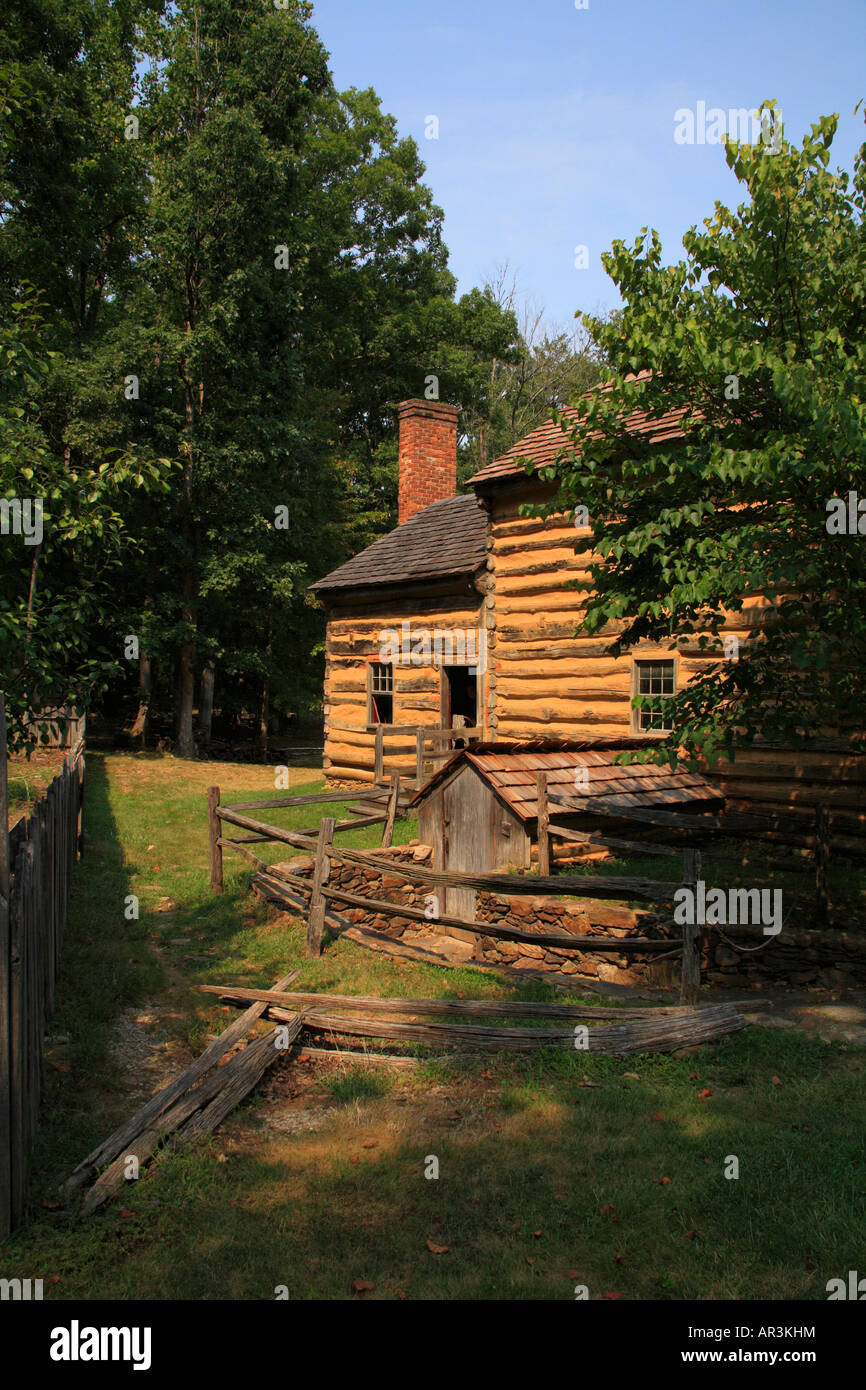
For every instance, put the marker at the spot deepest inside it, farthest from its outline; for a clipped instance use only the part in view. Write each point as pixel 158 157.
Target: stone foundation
pixel 831 959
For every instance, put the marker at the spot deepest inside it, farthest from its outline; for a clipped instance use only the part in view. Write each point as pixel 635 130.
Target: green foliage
pixel 246 288
pixel 757 338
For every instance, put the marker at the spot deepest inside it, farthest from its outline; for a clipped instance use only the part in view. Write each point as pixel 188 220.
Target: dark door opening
pixel 459 699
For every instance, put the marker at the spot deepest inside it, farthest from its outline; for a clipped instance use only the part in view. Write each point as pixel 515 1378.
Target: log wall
pixel 545 682
pixel 548 682
pixel 354 640
pixel 541 680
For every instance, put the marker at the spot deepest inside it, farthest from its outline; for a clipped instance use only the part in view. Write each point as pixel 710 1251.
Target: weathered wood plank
pixel 141 1120
pixel 493 1008
pixel 667 1035
pixel 198 1112
pixel 543 825
pixel 216 854
pixel 343 794
pixel 316 919
pixel 393 803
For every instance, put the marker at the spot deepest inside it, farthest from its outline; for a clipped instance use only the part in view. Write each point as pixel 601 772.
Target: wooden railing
pixel 716 827
pixel 412 739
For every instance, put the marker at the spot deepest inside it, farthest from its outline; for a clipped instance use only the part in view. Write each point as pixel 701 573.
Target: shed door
pixel 467 811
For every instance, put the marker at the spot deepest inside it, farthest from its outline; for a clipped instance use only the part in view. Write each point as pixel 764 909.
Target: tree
pixel 67 187
pixel 62 536
pixel 545 369
pixel 757 338
pixel 300 288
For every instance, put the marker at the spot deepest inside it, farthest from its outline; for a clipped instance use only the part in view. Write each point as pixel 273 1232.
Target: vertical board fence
pixel 37 858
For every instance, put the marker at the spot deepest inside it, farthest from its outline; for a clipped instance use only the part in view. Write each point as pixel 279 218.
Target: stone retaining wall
pixel 830 958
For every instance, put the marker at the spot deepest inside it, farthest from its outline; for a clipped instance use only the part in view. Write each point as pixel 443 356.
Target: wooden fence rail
pixel 406 741
pixel 814 851
pixel 325 849
pixel 36 864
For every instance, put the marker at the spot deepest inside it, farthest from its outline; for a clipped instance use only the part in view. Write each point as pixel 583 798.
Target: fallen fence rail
pixel 200 1098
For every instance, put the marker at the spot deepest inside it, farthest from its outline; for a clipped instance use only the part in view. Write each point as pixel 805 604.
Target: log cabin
pixel 460 627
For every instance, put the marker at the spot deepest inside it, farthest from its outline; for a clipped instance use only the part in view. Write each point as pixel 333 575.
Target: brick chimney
pixel 428 454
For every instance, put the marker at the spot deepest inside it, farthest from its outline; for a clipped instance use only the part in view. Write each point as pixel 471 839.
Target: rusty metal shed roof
pixel 512 769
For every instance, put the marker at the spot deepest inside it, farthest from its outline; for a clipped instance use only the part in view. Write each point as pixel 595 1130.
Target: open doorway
pixel 459 699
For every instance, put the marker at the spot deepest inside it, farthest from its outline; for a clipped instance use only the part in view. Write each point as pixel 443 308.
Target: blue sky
pixel 556 124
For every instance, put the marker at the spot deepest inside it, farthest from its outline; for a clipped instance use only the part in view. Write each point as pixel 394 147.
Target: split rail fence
pixel 37 858
pixel 808 853
pixel 323 846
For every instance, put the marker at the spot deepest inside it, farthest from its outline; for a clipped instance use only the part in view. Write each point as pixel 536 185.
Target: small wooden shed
pixel 480 811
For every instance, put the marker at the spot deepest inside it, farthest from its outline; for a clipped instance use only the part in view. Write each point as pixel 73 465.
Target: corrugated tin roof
pixel 512 771
pixel 447 538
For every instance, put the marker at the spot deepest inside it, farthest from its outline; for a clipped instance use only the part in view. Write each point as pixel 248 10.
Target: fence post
pixel 316 919
pixel 822 860
pixel 216 851
pixel 80 771
pixel 379 766
pixel 393 799
pixel 419 758
pixel 543 826
pixel 5 1117
pixel 690 979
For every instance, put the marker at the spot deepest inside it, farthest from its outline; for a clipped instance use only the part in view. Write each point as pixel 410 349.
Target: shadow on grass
pixel 561 1185
pixel 106 965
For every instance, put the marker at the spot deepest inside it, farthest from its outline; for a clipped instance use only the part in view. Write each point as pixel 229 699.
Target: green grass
pixel 357 1083
pixel 523 1144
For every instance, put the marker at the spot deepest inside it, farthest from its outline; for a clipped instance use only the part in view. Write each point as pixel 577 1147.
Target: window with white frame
pixel 380 693
pixel 657 679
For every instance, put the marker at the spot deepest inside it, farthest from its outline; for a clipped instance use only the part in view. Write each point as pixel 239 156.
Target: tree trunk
pixel 205 712
pixel 185 745
pixel 265 709
pixel 145 686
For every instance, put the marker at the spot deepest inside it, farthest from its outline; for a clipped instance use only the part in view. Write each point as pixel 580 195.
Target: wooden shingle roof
pixel 511 770
pixel 445 539
pixel 546 442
